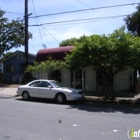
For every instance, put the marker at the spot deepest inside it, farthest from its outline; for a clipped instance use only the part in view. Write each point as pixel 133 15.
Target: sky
pixel 50 34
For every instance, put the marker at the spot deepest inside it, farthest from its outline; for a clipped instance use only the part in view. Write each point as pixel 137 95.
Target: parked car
pixel 49 89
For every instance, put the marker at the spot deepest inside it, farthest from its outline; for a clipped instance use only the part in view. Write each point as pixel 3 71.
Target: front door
pixel 78 79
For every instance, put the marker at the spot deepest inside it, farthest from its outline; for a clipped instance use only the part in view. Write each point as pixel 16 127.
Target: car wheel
pixel 61 98
pixel 25 95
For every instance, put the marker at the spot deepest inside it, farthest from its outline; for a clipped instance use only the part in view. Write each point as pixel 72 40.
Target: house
pixel 83 78
pixel 1 70
pixel 14 67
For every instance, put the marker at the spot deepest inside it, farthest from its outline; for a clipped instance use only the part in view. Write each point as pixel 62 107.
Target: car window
pixel 35 84
pixel 56 84
pixel 45 84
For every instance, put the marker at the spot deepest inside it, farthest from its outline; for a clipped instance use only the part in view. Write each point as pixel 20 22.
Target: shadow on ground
pixel 108 107
pixel 95 105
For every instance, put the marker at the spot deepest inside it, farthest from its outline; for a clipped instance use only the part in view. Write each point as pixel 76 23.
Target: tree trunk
pixel 108 81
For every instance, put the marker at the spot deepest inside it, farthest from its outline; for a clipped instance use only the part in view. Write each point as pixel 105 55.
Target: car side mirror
pixel 49 86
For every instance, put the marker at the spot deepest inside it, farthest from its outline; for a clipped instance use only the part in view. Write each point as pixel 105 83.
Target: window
pixel 20 56
pixel 9 68
pixel 35 84
pixel 45 84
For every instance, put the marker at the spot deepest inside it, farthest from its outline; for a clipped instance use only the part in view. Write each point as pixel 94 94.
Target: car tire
pixel 25 95
pixel 60 98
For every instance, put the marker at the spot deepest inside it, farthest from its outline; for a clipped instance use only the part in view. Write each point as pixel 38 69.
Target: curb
pixel 117 102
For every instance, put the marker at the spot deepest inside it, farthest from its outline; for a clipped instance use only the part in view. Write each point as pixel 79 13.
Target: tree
pixel 44 67
pixel 69 42
pixel 11 33
pixel 133 22
pixel 106 54
pixel 5 56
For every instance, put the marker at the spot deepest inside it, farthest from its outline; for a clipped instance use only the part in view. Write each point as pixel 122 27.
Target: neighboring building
pixel 14 66
pixel 85 78
pixel 1 67
pixel 1 71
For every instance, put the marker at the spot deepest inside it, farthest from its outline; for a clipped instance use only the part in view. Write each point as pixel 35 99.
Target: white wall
pixel 122 80
pixel 90 79
pixel 65 77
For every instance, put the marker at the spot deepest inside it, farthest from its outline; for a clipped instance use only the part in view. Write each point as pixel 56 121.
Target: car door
pixel 46 90
pixel 34 89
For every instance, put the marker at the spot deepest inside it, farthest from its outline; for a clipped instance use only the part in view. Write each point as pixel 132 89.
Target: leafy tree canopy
pixel 106 54
pixel 11 33
pixel 133 22
pixel 69 42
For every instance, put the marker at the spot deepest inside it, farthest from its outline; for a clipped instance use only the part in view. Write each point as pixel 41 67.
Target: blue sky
pixel 53 34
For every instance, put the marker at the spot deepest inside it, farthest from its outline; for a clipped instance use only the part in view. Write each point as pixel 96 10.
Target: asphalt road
pixel 46 120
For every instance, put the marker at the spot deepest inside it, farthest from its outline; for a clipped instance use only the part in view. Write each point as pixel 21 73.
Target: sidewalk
pixel 120 97
pixel 8 91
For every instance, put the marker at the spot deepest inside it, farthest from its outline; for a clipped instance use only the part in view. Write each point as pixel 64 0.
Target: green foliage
pixel 133 22
pixel 6 55
pixel 107 54
pixel 12 33
pixel 114 52
pixel 45 66
pixel 69 42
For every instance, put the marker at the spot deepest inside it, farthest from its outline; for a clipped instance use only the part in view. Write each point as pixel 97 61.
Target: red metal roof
pixel 55 53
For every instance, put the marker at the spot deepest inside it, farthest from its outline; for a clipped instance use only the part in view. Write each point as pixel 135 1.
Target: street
pixel 47 120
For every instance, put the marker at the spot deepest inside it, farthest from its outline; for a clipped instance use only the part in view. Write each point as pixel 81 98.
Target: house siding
pixel 18 66
pixel 90 79
pixel 6 75
pixel 1 67
pixel 1 71
pixel 122 80
pixel 65 77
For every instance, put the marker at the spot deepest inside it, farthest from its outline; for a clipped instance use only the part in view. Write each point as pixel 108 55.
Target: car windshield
pixel 56 84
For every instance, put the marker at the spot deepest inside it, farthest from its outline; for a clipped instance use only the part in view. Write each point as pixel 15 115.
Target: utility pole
pixel 26 37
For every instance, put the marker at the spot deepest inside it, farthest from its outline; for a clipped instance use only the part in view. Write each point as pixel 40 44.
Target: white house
pixel 85 78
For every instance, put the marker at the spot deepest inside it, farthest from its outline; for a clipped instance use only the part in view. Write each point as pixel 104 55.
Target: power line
pixel 37 22
pixel 46 37
pixel 14 13
pixel 82 10
pixel 51 34
pixel 77 20
pixel 32 46
pixel 98 20
pixel 5 2
pixel 83 3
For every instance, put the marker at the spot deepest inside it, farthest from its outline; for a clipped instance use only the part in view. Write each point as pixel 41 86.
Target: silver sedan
pixel 49 89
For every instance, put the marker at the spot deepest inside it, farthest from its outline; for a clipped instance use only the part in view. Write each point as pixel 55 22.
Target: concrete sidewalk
pixel 8 91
